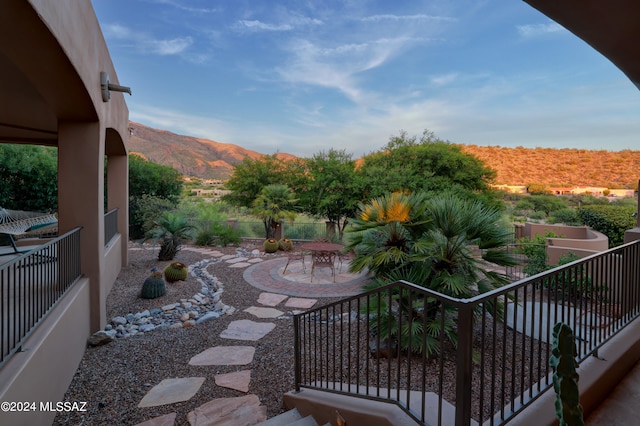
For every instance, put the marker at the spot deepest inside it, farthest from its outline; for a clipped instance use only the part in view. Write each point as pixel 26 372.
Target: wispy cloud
pixel 443 80
pixel 290 21
pixel 338 66
pixel 146 43
pixel 262 26
pixel 184 6
pixel 400 18
pixel 537 30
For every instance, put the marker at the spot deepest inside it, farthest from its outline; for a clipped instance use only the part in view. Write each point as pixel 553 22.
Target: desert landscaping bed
pixel 113 378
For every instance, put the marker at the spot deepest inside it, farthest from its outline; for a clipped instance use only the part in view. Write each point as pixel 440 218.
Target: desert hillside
pixel 560 167
pixel 190 156
pixel 514 166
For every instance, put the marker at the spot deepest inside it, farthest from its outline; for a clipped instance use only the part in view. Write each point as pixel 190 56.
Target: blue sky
pixel 306 76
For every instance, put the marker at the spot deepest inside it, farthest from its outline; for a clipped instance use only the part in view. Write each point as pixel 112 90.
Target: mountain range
pixel 209 159
pixel 191 156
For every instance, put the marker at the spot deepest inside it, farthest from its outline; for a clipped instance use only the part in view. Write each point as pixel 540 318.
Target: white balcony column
pixel 81 202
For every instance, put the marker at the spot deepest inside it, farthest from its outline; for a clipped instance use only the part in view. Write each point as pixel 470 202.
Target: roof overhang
pixel 611 27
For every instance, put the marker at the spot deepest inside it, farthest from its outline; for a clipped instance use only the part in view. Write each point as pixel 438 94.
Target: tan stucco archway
pixel 52 54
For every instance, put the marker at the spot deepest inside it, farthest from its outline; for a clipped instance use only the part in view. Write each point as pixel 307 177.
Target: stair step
pixel 307 421
pixel 286 418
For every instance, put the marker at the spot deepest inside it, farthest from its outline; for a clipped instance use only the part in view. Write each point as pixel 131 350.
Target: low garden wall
pixel 579 240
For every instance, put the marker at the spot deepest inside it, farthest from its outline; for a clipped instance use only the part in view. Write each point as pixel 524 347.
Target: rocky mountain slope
pixel 514 166
pixel 189 155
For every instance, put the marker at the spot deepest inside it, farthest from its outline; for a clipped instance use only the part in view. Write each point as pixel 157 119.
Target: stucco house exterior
pixel 55 71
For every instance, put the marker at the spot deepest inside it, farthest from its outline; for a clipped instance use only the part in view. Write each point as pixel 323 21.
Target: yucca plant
pixel 171 230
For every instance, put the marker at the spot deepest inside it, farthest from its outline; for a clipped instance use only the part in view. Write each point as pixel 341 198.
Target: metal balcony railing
pixel 31 285
pixel 482 359
pixel 110 225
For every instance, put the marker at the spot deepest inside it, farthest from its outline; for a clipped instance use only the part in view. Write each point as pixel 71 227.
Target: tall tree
pixel 251 175
pixel 147 177
pixel 333 190
pixel 28 178
pixel 153 189
pixel 407 163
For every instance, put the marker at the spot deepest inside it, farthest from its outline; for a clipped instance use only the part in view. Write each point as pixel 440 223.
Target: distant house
pixel 515 189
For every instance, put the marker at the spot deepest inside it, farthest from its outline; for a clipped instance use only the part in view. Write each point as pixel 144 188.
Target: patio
pixel 297 281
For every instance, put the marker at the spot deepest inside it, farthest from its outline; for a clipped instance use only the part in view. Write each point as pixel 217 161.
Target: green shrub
pixel 218 234
pixel 525 205
pixel 144 211
pixel 205 237
pixel 537 215
pixel 567 216
pixel 612 221
pixel 227 235
pixel 536 251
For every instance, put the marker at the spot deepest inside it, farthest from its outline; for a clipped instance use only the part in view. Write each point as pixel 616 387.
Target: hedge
pixel 612 221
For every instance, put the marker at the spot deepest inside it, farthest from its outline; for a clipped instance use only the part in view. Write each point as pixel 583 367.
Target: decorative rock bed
pixel 203 306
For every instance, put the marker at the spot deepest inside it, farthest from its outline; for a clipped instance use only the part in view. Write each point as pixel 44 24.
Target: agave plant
pixel 171 229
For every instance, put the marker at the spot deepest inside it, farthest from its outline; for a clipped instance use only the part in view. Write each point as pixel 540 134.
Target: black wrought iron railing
pixel 110 225
pixel 31 285
pixel 482 359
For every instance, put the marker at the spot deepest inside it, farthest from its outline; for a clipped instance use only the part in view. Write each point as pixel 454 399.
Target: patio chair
pixel 21 224
pixel 323 259
pixel 293 256
pixel 343 257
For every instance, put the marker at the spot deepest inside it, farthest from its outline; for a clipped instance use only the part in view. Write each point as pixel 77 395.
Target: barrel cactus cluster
pixel 175 271
pixel 153 286
pixel 285 244
pixel 271 245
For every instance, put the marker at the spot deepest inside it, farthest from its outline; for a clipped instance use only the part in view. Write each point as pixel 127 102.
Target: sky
pixel 307 76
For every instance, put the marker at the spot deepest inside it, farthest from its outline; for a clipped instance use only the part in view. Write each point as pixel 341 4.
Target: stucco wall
pixel 50 67
pixel 44 369
pixel 579 240
pixel 598 376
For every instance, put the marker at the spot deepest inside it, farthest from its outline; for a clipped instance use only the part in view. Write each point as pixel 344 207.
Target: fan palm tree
pixel 171 229
pixel 386 232
pixel 435 249
pixel 275 203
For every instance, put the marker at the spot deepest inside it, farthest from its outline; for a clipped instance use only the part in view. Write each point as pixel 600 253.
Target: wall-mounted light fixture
pixel 107 87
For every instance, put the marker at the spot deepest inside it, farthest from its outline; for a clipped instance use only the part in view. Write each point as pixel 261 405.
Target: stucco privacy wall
pixel 51 57
pixel 579 240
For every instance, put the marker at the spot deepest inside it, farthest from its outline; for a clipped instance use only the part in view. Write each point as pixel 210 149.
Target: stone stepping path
pixel 271 299
pixel 247 330
pixel 300 303
pixel 238 381
pixel 170 391
pixel 264 312
pixel 224 355
pixel 242 410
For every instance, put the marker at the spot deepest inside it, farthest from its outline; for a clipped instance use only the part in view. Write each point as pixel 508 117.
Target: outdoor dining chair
pixel 293 256
pixel 323 259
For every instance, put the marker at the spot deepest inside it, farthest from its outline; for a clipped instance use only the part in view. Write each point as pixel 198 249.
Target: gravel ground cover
pixel 113 378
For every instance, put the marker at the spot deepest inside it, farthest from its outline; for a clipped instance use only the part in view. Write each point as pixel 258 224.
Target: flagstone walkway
pixel 263 274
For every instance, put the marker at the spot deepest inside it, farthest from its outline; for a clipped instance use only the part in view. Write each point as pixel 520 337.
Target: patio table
pixel 323 254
